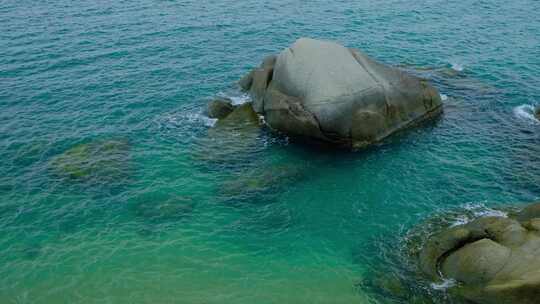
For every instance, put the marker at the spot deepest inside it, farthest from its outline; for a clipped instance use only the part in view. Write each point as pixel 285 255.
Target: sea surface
pixel 171 210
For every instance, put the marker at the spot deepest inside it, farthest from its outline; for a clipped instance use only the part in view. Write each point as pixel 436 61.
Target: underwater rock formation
pixel 262 185
pixel 232 139
pixel 103 160
pixel 324 91
pixel 494 259
pixel 160 207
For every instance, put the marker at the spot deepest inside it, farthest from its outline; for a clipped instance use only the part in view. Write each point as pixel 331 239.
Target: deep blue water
pixel 261 220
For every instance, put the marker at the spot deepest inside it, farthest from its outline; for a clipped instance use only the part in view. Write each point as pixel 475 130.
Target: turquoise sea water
pixel 255 218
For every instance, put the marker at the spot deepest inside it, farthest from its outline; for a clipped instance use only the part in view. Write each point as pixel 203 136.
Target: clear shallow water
pixel 269 221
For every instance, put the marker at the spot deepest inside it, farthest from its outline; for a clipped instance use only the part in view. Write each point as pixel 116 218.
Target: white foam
pixel 445 284
pixel 237 99
pixel 480 210
pixel 444 97
pixel 462 220
pixel 190 118
pixel 207 121
pixel 490 212
pixel 526 112
pixel 476 211
pixel 457 67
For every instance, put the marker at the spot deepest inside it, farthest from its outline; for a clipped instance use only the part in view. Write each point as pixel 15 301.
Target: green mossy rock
pixel 103 159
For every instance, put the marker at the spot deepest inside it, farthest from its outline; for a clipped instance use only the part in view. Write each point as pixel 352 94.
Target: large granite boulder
pixel 493 259
pixel 322 90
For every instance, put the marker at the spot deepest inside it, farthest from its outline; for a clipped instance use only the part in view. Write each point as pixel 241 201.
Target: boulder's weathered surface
pixel 495 259
pixel 322 90
pixel 219 108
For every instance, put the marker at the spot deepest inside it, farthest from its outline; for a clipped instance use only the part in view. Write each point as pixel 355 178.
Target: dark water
pixel 167 210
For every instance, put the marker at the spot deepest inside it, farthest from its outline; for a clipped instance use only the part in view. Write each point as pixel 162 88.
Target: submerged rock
pixel 494 259
pixel 259 186
pixel 241 118
pixel 231 140
pixel 219 108
pixel 104 160
pixel 158 208
pixel 322 90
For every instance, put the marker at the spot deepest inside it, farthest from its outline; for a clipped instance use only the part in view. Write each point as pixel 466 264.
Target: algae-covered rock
pixel 105 160
pixel 494 259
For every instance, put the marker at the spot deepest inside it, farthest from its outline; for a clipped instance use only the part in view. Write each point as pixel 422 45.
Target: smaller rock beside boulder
pixel 219 108
pixel 537 112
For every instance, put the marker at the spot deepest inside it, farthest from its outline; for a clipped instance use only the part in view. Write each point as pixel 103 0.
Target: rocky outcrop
pixel 494 259
pixel 322 90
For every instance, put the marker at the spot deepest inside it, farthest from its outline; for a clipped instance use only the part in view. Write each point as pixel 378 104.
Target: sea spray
pixel 526 113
